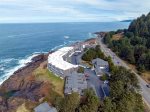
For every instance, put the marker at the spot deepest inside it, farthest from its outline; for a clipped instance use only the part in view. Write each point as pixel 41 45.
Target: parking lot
pixel 92 79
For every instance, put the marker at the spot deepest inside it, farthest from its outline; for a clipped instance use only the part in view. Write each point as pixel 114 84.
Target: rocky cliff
pixel 22 86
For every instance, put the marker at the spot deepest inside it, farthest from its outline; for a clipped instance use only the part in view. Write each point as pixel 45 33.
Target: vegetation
pixel 90 103
pixel 134 46
pixel 104 77
pixel 123 93
pixel 69 103
pixel 44 74
pixel 72 103
pixel 22 108
pixel 93 53
pixel 80 70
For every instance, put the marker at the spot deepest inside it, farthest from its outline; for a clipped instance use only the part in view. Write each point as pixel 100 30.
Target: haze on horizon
pixel 32 11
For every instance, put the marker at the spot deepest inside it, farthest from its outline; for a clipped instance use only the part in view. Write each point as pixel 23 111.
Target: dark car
pixel 148 85
pixel 86 75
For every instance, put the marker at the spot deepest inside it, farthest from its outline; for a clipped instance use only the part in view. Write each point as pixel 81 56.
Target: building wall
pixel 60 72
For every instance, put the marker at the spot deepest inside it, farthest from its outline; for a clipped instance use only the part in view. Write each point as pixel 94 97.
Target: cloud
pixel 71 10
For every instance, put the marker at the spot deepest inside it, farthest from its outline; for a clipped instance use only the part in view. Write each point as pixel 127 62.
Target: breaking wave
pixel 20 63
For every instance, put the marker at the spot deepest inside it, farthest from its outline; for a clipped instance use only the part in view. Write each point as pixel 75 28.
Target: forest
pixel 134 43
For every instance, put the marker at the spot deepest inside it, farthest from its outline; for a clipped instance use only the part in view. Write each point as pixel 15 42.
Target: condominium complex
pixel 58 62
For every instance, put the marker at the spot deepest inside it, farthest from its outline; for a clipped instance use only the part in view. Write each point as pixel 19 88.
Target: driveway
pixel 95 82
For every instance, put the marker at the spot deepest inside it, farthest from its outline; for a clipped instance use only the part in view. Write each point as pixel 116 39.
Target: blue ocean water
pixel 20 42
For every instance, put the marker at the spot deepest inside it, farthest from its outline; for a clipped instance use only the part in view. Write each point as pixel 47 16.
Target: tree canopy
pixel 123 93
pixel 134 47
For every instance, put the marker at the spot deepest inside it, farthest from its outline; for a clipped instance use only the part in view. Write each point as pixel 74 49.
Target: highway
pixel 145 91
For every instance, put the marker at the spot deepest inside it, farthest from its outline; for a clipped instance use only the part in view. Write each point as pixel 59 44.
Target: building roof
pixel 76 82
pixel 99 62
pixel 56 59
pixel 98 70
pixel 44 107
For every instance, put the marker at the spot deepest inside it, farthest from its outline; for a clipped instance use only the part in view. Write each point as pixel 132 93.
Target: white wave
pixel 91 35
pixel 70 42
pixel 1 68
pixel 66 37
pixel 7 60
pixel 40 52
pixel 21 63
pixel 59 46
pixel 27 59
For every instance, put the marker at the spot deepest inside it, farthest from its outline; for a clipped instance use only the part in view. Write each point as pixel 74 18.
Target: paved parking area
pixel 94 82
pixel 92 79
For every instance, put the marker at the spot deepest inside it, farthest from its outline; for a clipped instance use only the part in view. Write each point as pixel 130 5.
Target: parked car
pixel 86 75
pixel 87 79
pixel 148 85
pixel 106 82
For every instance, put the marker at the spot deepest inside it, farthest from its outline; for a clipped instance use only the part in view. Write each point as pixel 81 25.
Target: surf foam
pixel 66 37
pixel 21 63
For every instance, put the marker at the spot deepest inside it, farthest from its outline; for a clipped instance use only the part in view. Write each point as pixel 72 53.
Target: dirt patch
pixel 117 36
pixel 146 76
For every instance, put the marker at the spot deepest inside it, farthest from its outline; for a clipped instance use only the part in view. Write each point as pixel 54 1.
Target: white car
pixel 106 82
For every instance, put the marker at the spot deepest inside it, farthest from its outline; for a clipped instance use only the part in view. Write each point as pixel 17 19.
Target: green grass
pixel 47 76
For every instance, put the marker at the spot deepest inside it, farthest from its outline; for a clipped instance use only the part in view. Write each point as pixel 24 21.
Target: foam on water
pixel 1 68
pixel 6 60
pixel 59 46
pixel 21 63
pixel 66 37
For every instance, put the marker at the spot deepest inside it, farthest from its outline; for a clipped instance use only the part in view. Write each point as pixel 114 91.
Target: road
pixel 145 92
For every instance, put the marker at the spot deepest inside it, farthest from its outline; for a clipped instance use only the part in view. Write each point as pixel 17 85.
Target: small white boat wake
pixel 66 37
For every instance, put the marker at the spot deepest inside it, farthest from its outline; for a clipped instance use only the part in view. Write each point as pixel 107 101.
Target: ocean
pixel 19 43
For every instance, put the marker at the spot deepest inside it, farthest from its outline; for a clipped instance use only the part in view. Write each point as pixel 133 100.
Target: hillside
pixel 134 45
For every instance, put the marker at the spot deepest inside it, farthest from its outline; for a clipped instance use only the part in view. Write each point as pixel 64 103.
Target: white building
pixel 58 62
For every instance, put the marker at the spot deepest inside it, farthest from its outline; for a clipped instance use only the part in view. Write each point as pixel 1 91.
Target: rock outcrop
pixel 22 86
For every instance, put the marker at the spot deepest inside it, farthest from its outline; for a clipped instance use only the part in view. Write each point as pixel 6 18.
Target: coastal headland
pixel 31 85
pixel 34 84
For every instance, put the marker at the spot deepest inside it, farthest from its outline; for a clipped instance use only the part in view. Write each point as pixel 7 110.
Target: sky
pixel 32 11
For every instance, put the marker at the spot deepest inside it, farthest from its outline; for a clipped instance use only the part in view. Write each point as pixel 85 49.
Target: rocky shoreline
pixel 21 86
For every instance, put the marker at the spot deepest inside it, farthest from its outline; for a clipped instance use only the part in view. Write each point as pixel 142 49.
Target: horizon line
pixel 63 22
